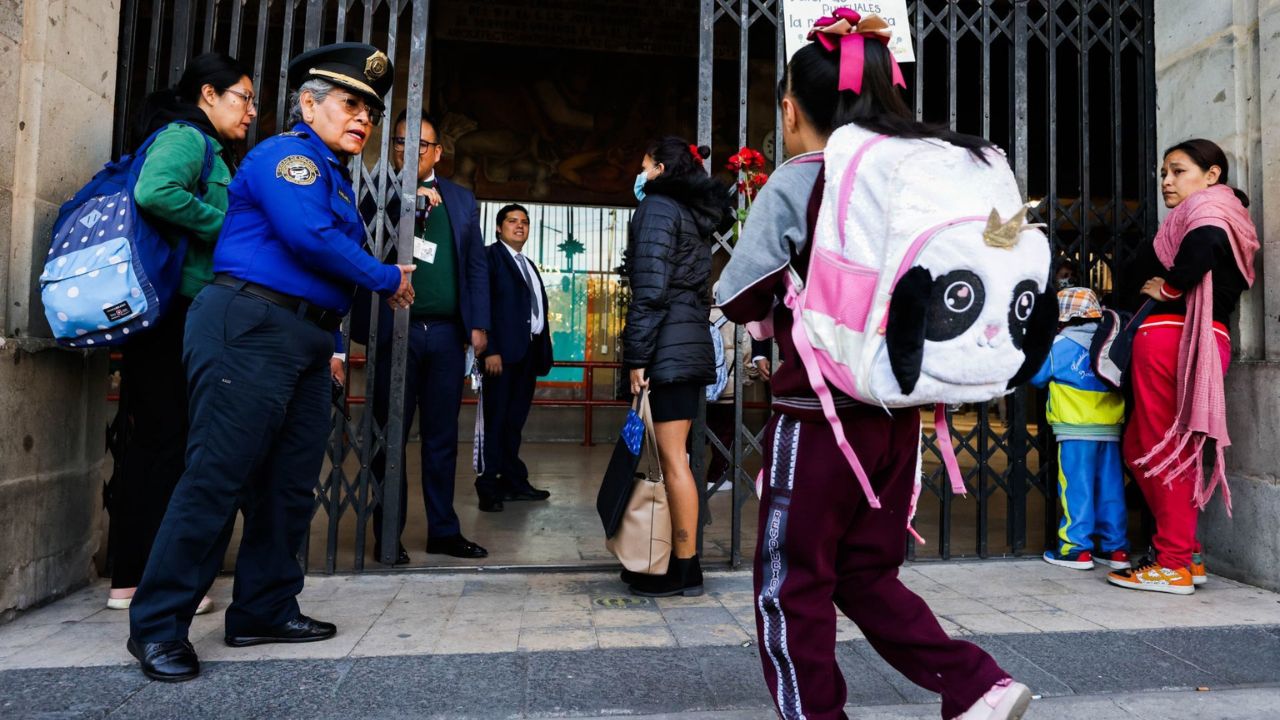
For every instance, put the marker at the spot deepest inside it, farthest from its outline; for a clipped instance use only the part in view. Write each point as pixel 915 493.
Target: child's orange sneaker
pixel 1198 574
pixel 1155 577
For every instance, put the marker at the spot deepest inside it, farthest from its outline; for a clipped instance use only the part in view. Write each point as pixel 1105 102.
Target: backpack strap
pixel 208 158
pixel 943 431
pixel 794 300
pixel 820 388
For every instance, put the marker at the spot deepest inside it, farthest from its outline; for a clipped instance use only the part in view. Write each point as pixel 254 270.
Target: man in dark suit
pixel 449 312
pixel 519 353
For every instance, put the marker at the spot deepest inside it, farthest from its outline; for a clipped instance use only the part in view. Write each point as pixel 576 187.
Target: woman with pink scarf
pixel 1194 272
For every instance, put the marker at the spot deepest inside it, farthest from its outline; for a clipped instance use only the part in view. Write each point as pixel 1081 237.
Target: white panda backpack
pixel 923 283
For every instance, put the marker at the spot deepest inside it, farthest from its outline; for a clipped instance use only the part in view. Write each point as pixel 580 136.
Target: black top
pixel 1205 249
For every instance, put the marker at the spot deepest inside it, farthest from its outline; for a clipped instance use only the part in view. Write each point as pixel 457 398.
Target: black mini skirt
pixel 674 401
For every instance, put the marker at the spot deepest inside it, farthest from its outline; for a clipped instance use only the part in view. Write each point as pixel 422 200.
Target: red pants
pixel 1154 373
pixel 820 542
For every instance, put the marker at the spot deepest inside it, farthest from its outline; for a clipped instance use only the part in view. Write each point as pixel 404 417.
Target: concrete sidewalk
pixel 488 645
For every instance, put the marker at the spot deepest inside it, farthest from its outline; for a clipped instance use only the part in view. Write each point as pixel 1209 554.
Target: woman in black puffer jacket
pixel 666 341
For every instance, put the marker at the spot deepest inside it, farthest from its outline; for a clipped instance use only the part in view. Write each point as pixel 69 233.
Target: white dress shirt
pixel 537 320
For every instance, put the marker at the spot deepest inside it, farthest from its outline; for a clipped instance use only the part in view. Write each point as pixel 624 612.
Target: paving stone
pixel 266 690
pixel 627 617
pixel 698 634
pixel 698 616
pixel 634 637
pixel 541 639
pixel 1239 655
pixel 1055 621
pixel 990 623
pixel 639 681
pixel 734 676
pixel 1107 661
pixel 457 687
pixel 547 602
pixel 81 693
pixel 464 639
pixel 573 619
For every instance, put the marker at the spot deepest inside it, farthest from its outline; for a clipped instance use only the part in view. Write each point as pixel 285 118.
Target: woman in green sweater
pixel 213 104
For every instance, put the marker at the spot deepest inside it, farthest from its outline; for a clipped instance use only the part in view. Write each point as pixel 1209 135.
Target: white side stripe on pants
pixel 786 440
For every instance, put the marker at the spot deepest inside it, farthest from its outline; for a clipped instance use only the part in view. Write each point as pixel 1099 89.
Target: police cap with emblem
pixel 355 66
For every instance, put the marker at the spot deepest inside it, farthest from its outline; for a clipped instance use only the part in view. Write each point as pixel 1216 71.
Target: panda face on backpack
pixel 925 284
pixel 959 316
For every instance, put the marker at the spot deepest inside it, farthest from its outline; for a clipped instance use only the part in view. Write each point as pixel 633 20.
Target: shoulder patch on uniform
pixel 298 169
pixel 294 134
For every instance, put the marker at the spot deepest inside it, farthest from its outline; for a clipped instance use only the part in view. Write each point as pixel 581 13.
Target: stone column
pixel 57 73
pixel 1218 77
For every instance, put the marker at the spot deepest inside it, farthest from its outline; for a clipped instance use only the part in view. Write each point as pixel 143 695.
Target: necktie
pixel 524 270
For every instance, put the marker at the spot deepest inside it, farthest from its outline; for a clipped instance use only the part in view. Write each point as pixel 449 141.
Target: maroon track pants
pixel 821 543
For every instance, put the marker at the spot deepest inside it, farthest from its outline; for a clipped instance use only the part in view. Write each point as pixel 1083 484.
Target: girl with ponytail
pixel 820 542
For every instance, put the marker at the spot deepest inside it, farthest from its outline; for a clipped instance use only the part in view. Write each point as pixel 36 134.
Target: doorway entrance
pixel 546 103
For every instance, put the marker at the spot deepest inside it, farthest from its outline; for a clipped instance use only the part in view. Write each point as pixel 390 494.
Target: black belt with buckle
pixel 325 319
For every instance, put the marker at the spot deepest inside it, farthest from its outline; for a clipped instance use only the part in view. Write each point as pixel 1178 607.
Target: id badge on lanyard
pixel 424 249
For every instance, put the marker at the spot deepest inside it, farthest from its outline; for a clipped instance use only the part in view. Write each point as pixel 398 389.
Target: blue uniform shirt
pixel 292 225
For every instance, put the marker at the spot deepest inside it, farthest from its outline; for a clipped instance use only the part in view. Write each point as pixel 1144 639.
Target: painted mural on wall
pixel 561 126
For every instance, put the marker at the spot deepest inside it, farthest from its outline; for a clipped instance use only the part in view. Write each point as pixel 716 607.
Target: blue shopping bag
pixel 619 478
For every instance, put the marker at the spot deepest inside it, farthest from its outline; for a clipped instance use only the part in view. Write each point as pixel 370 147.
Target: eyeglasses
pixel 248 98
pixel 423 145
pixel 355 105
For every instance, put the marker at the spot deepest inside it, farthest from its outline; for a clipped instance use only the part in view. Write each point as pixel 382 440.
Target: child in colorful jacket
pixel 1087 417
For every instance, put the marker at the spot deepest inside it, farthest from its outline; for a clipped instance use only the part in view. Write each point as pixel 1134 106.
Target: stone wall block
pixel 75 46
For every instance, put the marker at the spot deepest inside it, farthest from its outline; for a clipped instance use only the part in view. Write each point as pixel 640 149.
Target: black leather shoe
pixel 489 503
pixel 173 661
pixel 402 556
pixel 457 546
pixel 298 630
pixel 526 493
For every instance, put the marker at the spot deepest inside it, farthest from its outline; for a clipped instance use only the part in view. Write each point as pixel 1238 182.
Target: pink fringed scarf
pixel 1202 406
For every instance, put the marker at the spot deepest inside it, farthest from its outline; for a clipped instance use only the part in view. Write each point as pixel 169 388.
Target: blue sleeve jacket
pixel 292 225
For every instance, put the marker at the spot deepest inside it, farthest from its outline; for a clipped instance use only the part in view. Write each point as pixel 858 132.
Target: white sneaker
pixel 1006 700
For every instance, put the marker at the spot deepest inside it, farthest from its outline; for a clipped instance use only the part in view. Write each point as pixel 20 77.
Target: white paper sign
pixel 801 14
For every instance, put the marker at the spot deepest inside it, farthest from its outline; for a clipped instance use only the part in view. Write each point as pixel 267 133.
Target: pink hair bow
pixel 850 31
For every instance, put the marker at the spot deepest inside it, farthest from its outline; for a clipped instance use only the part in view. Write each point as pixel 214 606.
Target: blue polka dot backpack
pixel 109 272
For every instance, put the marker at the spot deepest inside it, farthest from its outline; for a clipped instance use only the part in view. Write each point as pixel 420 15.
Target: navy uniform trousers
pixel 259 391
pixel 507 399
pixel 433 381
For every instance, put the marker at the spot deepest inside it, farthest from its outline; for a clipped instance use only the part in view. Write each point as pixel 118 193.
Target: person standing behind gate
pixel 519 353
pixel 258 349
pixel 666 344
pixel 820 541
pixel 450 311
pixel 215 95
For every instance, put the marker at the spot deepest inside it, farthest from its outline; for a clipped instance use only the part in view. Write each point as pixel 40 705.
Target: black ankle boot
pixel 683 577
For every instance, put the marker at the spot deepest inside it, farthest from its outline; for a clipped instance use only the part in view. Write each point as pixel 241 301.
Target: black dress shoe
pixel 173 661
pixel 489 503
pixel 298 630
pixel 402 555
pixel 457 546
pixel 526 493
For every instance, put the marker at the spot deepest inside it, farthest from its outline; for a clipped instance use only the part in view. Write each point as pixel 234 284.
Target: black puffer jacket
pixel 668 267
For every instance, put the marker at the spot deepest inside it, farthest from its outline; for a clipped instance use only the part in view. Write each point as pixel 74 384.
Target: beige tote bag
pixel 643 541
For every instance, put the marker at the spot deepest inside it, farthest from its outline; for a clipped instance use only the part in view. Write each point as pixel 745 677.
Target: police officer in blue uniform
pixel 259 353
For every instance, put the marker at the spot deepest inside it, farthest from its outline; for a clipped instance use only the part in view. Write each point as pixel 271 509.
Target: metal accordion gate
pixel 1066 87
